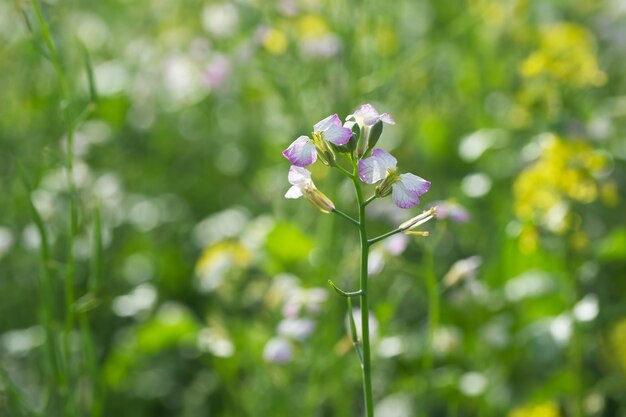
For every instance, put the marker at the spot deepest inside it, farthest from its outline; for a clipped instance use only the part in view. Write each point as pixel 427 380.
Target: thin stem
pixel 344 171
pixel 369 200
pixel 433 306
pixel 365 333
pixel 70 277
pixel 384 236
pixel 347 217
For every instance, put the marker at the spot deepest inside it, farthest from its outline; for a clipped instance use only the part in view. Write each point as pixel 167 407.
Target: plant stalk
pixel 365 332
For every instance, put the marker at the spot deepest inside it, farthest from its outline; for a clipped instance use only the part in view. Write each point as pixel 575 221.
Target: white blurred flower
pixel 587 309
pixel 296 328
pixel 473 384
pixel 140 299
pixel 278 350
pixel 20 342
pixel 220 19
pixel 215 342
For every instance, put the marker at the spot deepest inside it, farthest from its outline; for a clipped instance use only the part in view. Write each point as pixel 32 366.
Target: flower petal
pixel 294 192
pixel 374 168
pixel 301 152
pixel 333 131
pixel 299 176
pixel 367 115
pixel 386 118
pixel 407 191
pixel 322 125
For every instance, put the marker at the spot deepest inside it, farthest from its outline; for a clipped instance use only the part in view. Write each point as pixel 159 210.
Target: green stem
pixel 344 171
pixel 347 217
pixel 369 200
pixel 384 236
pixel 71 409
pixel 365 333
pixel 433 306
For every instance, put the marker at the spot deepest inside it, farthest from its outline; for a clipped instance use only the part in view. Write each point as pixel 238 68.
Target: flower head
pixel 406 189
pixel 367 115
pixel 302 185
pixel 370 126
pixel 304 150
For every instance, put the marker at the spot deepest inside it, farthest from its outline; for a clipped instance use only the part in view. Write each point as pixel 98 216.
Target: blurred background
pixel 212 298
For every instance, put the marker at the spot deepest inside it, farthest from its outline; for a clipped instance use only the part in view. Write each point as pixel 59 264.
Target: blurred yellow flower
pixel 311 26
pixel 275 41
pixel 565 172
pixel 220 260
pixel 547 409
pixel 386 41
pixel 567 53
pixel 616 351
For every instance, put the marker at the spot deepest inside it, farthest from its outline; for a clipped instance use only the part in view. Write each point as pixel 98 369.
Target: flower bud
pixel 374 134
pixel 324 151
pixel 418 220
pixel 348 147
pixel 384 188
pixel 319 200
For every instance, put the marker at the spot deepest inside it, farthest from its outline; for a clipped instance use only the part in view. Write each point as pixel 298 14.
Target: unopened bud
pixel 326 154
pixel 418 220
pixel 319 200
pixel 384 188
pixel 374 134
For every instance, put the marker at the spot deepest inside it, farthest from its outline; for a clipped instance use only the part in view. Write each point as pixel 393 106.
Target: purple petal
pixel 407 191
pixel 333 131
pixel 299 176
pixel 301 152
pixel 374 168
pixel 386 118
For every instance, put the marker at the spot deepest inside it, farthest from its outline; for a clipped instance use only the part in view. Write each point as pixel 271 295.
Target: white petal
pixel 374 168
pixel 294 192
pixel 299 176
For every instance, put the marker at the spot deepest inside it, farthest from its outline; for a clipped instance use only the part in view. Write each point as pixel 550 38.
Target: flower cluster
pixel 356 138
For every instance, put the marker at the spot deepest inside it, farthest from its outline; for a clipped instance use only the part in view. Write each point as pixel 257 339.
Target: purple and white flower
pixel 302 151
pixel 367 115
pixel 302 185
pixel 300 179
pixel 278 350
pixel 451 209
pixel 406 189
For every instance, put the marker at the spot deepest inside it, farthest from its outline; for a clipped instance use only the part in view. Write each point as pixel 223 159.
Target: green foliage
pixel 150 282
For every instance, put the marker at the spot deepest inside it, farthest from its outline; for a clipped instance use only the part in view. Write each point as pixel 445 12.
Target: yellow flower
pixel 311 26
pixel 547 409
pixel 567 53
pixel 219 261
pixel 565 172
pixel 275 41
